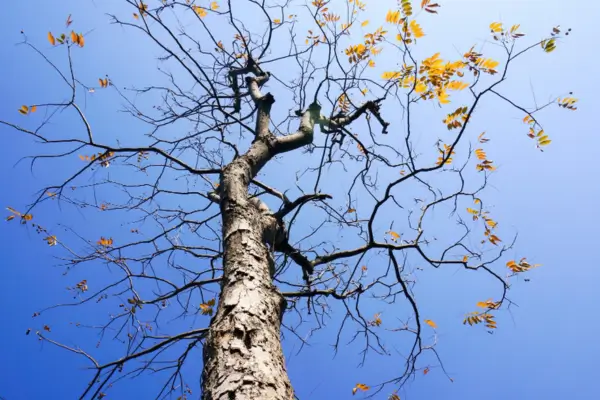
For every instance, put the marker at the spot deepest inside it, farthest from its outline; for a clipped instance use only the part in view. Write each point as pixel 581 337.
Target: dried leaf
pixel 360 386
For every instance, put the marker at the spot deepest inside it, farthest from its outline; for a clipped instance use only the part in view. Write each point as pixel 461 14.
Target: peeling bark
pixel 243 358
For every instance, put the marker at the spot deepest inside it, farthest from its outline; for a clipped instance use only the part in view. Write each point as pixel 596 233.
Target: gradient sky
pixel 544 349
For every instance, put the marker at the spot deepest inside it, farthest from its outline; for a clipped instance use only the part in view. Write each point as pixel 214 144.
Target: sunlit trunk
pixel 243 358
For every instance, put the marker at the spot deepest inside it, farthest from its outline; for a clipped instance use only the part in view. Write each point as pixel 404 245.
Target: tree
pixel 207 234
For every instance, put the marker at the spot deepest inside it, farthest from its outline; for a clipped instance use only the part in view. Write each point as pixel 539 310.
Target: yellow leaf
pixel 276 21
pixel 135 16
pixel 430 323
pixel 480 154
pixel 394 235
pixel 392 17
pixel 371 63
pixel 421 87
pixel 390 75
pixel 489 63
pixel 548 45
pixel 457 85
pixel 443 97
pixel 376 320
pixel 351 210
pixel 214 6
pixel 365 23
pixel 416 29
pixel 200 11
pixel 105 242
pixel 406 7
pixel 496 27
pixel 465 259
pixel 491 223
pixel 51 39
pixel 24 110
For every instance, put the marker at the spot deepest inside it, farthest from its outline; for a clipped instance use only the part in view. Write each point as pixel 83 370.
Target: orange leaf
pixel 360 386
pixel 51 39
pixel 426 371
pixel 51 240
pixel 430 323
pixel 74 37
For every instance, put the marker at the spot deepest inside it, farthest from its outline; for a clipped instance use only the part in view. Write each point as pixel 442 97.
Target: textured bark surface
pixel 243 358
pixel 242 355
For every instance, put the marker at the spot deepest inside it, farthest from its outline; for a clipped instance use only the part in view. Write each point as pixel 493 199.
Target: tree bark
pixel 243 358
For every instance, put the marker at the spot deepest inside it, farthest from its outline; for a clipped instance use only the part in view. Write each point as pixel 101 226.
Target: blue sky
pixel 544 348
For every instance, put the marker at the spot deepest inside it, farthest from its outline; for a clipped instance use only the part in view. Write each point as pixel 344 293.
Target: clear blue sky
pixel 543 349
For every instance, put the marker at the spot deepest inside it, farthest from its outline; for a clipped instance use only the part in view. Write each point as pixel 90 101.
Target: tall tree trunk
pixel 243 358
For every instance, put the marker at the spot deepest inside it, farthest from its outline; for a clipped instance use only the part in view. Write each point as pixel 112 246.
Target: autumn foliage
pixel 354 87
